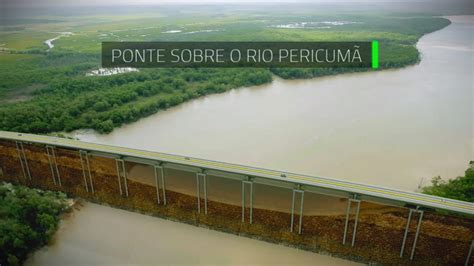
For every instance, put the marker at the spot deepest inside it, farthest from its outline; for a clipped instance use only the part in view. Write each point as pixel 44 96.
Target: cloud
pixel 58 3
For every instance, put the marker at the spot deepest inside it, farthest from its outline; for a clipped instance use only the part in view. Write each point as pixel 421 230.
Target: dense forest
pixel 28 219
pixel 460 188
pixel 107 102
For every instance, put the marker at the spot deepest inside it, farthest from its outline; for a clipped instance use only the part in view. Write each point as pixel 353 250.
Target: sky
pixel 11 8
pixel 45 3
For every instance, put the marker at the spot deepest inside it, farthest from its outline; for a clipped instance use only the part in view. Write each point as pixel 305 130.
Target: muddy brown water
pixel 94 235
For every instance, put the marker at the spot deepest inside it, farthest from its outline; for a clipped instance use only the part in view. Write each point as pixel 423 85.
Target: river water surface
pixel 395 128
pixel 100 235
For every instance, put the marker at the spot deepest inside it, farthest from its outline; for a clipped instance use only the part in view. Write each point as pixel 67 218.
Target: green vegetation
pixel 460 188
pixel 28 220
pixel 44 91
pixel 107 102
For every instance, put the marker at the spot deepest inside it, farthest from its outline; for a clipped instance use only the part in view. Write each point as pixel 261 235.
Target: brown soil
pixel 444 240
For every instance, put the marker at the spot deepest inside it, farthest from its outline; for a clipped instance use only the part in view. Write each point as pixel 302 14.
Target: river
pixel 96 235
pixel 395 128
pixel 389 127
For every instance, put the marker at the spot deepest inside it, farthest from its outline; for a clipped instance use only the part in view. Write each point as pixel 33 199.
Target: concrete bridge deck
pixel 320 184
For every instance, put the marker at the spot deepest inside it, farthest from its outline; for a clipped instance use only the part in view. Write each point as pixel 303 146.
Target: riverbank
pixel 29 218
pixel 71 100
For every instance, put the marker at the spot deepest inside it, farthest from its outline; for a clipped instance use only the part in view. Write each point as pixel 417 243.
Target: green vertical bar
pixel 375 54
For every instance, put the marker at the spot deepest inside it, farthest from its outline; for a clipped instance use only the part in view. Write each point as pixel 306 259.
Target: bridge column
pixel 159 171
pixel 301 192
pixel 53 165
pixel 122 174
pixel 469 253
pixel 354 232
pixel 23 161
pixel 420 217
pixel 247 183
pixel 86 170
pixel 203 177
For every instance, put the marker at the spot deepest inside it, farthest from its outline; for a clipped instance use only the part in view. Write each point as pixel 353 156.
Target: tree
pixel 28 219
pixel 460 188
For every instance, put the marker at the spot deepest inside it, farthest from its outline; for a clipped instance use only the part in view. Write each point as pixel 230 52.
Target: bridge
pixel 354 192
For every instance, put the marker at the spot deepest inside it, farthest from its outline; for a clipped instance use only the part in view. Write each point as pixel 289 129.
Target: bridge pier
pixel 86 170
pixel 469 253
pixel 354 232
pixel 122 174
pixel 53 165
pixel 23 161
pixel 203 177
pixel 248 183
pixel 159 169
pixel 301 192
pixel 420 218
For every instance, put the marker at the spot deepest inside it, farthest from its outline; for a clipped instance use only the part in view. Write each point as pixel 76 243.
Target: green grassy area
pixel 28 219
pixel 45 91
pixel 460 188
